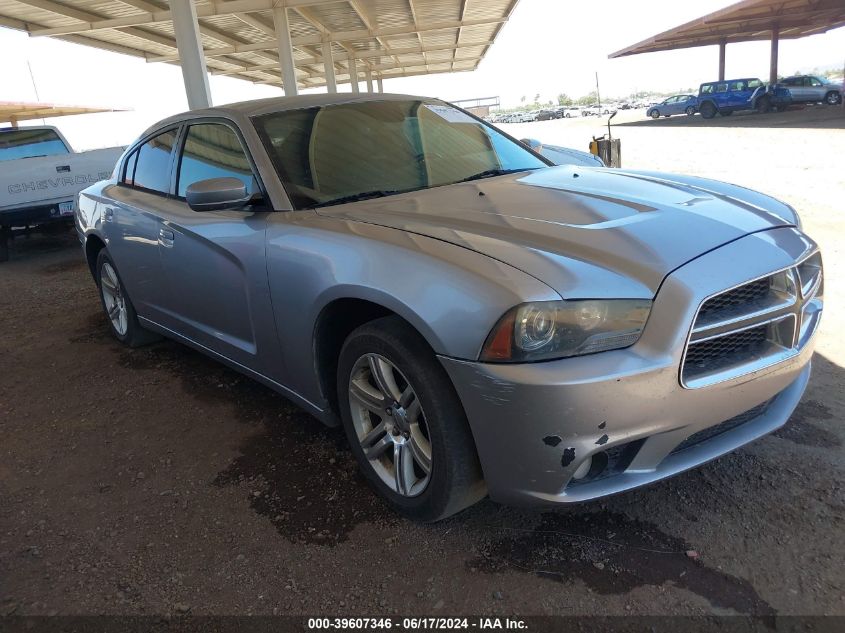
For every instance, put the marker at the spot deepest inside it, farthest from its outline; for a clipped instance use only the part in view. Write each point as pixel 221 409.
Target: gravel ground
pixel 155 481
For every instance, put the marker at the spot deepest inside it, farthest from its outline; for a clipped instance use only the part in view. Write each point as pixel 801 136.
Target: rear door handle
pixel 165 237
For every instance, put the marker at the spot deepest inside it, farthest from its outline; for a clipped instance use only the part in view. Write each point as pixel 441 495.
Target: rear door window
pixel 152 165
pixel 30 143
pixel 213 150
pixel 722 87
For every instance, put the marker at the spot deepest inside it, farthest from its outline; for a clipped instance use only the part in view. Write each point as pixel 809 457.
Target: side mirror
pixel 217 194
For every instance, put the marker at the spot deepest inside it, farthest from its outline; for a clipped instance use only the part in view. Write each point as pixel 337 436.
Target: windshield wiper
pixel 490 173
pixel 355 197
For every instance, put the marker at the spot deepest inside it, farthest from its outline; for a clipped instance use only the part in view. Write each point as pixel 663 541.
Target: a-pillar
pixel 191 57
pixel 280 21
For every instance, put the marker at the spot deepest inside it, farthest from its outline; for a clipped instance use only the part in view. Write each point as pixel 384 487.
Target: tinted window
pixel 754 83
pixel 792 81
pixel 815 82
pixel 152 165
pixel 707 89
pixel 331 152
pixel 721 87
pixel 213 150
pixel 24 143
pixel 737 85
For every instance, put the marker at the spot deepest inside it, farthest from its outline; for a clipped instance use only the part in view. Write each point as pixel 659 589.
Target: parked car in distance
pixel 677 104
pixel 477 320
pixel 40 175
pixel 546 115
pixel 813 89
pixel 564 112
pixel 727 97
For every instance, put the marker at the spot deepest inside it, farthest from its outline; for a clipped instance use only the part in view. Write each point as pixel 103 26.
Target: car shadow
pixel 810 117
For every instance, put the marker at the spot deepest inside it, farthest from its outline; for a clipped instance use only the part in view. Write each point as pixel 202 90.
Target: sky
pixel 548 47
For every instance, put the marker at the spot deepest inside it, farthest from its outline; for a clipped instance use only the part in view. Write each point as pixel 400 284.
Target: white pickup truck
pixel 40 176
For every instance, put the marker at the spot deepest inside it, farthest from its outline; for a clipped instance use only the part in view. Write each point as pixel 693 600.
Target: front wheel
pixel 764 104
pixel 708 110
pixel 655 114
pixel 123 320
pixel 405 423
pixel 832 98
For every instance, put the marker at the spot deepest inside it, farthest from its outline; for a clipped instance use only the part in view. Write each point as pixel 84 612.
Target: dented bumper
pixel 536 424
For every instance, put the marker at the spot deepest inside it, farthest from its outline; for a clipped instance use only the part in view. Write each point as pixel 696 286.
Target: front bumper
pixel 535 424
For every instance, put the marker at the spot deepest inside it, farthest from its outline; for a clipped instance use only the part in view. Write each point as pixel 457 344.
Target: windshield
pixel 376 148
pixel 24 143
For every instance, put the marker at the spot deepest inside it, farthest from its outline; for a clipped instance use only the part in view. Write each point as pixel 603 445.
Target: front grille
pixel 725 351
pixel 754 325
pixel 741 298
pixel 723 427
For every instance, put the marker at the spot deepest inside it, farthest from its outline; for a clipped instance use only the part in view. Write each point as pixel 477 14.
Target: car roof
pixel 727 81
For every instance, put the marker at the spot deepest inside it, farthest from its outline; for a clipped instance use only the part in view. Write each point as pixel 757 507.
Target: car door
pixel 739 94
pixel 796 88
pixel 214 261
pixel 130 220
pixel 816 90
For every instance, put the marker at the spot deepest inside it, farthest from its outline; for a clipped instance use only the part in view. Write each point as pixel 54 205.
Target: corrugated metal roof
pixel 746 21
pixel 391 38
pixel 14 111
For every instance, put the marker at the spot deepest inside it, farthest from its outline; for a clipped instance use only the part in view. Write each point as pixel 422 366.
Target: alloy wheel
pixel 390 425
pixel 113 299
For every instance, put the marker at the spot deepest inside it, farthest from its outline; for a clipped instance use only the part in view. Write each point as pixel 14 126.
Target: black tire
pixel 763 105
pixel 456 480
pixel 708 110
pixel 690 110
pixel 655 114
pixel 832 98
pixel 135 335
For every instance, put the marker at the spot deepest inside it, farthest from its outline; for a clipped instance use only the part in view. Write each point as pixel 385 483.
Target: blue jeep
pixel 726 97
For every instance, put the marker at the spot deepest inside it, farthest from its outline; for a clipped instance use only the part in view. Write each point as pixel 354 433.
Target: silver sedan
pixel 478 320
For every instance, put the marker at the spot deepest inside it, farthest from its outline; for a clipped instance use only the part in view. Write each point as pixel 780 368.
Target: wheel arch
pixel 336 320
pixel 93 245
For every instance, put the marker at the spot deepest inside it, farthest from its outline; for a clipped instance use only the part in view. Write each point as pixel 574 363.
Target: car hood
pixel 586 232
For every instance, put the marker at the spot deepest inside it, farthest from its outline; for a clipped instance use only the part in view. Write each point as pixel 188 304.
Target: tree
pixel 537 98
pixel 588 99
pixel 564 99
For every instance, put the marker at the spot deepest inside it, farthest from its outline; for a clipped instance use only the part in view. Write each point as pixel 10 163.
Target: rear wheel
pixel 405 423
pixel 708 110
pixel 690 110
pixel 123 320
pixel 832 98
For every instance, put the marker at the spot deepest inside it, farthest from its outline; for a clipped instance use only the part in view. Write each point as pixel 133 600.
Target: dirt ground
pixel 155 481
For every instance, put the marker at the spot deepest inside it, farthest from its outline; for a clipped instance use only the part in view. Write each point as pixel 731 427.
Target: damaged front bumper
pixel 580 428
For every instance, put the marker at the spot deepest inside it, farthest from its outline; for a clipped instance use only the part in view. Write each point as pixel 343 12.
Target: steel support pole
pixel 191 57
pixel 380 84
pixel 369 76
pixel 773 62
pixel 280 21
pixel 353 73
pixel 722 46
pixel 328 66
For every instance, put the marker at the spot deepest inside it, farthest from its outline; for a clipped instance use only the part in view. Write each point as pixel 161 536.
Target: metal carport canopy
pixel 292 43
pixel 746 21
pixel 14 111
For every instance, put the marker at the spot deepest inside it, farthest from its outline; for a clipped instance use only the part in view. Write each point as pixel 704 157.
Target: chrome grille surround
pixel 754 325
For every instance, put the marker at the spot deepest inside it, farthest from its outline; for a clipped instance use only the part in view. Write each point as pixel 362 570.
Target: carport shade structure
pixel 748 21
pixel 15 111
pixel 291 43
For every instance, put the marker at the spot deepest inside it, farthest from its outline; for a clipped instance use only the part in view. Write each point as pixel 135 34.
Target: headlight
pixel 557 329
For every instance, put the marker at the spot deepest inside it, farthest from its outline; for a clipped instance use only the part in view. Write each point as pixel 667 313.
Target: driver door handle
pixel 165 237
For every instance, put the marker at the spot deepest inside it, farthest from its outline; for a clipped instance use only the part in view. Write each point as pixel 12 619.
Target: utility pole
pixel 598 94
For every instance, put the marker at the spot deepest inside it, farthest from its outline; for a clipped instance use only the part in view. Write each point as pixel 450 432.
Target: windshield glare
pixel 337 151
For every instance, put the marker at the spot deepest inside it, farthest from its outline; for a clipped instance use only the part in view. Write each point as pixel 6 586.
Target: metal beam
pixel 194 72
pixel 328 67
pixel 280 20
pixel 353 73
pixel 773 59
pixel 310 61
pixel 722 46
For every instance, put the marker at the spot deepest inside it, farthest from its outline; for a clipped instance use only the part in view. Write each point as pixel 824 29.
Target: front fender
pixel 453 296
